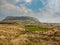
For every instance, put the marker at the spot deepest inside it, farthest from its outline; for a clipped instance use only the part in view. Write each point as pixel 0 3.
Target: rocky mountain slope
pixel 22 19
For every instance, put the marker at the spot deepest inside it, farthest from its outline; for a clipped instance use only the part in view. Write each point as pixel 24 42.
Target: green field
pixel 36 28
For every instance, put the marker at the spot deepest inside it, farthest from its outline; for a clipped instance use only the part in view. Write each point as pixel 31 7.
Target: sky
pixel 45 10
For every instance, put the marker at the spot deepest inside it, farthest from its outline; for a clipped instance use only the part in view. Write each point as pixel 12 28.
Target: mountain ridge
pixel 22 19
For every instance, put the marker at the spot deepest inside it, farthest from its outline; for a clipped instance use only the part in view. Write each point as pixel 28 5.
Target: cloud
pixel 28 1
pixel 17 0
pixel 51 8
pixel 8 9
pixel 2 2
pixel 51 12
pixel 56 20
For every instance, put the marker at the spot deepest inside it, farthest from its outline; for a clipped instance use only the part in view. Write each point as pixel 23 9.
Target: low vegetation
pixel 36 28
pixel 18 34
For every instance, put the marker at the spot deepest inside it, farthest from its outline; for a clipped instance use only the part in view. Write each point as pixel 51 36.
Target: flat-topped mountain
pixel 22 19
pixel 26 20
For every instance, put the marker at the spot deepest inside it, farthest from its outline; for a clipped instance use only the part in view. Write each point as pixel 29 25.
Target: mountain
pixel 22 19
pixel 26 20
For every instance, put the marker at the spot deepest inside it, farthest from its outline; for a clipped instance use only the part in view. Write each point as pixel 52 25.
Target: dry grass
pixel 15 34
pixel 9 32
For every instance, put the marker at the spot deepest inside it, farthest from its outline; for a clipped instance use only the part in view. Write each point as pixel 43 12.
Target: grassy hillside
pixel 18 34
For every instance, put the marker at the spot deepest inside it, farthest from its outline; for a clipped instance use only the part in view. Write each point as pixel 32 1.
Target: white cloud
pixel 28 1
pixel 51 12
pixel 2 2
pixel 51 8
pixel 17 0
pixel 8 9
pixel 56 20
pixel 54 5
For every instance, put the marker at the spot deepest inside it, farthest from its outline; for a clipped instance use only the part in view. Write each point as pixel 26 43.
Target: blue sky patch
pixel 34 5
